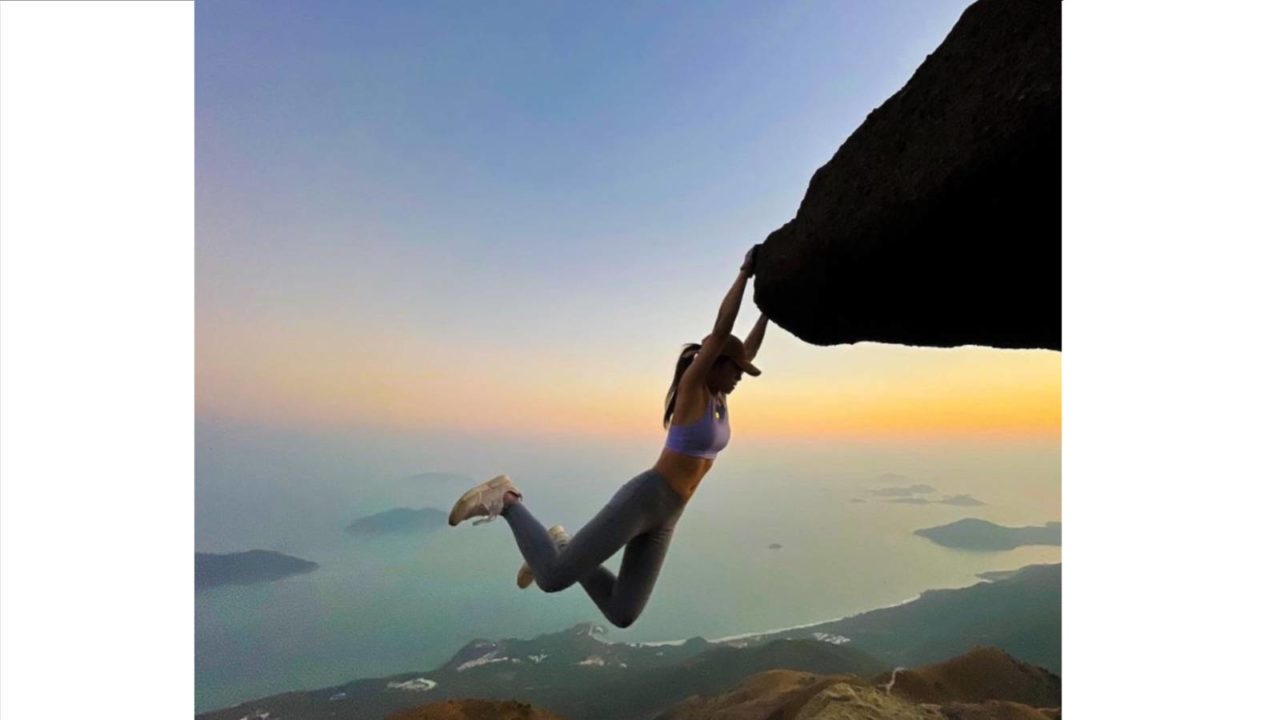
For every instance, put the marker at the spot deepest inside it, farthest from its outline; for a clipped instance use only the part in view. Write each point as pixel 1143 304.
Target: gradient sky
pixel 508 217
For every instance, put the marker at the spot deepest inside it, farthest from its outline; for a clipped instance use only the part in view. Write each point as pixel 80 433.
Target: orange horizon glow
pixel 401 384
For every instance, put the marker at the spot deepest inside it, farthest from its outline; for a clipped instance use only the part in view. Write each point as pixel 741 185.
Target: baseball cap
pixel 737 352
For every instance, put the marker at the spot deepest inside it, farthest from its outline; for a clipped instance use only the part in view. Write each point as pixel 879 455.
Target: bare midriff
pixel 682 472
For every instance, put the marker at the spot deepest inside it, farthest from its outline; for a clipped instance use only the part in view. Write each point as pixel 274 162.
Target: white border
pixel 96 307
pixel 1170 358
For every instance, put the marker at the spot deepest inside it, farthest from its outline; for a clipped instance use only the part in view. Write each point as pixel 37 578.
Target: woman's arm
pixel 712 346
pixel 752 343
pixel 730 305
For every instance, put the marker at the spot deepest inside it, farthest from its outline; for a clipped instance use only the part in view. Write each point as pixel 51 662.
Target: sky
pixel 419 217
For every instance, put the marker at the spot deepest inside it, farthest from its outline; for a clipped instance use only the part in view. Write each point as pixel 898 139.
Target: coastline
pixel 724 640
pixel 761 633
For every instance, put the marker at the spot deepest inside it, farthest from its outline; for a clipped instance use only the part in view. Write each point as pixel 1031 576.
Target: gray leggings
pixel 641 516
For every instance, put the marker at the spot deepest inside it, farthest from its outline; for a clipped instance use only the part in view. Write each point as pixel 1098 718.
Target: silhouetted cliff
pixel 939 221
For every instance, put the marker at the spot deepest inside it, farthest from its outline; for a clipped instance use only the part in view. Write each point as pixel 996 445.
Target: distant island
pixel 975 534
pixel 247 568
pixel 399 520
pixel 917 489
pixel 958 500
pixel 961 500
pixel 921 494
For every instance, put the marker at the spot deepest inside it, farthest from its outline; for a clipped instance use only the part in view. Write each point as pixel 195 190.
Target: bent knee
pixel 623 619
pixel 554 583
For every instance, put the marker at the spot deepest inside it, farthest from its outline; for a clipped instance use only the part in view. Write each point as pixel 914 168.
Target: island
pixel 917 489
pixel 961 500
pixel 975 534
pixel 247 568
pixel 399 520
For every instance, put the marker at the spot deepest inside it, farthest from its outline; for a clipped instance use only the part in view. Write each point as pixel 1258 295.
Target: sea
pixel 782 532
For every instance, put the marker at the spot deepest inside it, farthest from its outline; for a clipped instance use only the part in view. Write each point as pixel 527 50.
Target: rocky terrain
pixel 984 684
pixel 938 221
pixel 982 674
pixel 475 710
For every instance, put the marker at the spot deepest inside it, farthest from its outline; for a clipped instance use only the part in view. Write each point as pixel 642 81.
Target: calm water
pixel 377 606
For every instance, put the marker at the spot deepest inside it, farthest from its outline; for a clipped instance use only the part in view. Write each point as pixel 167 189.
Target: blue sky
pixel 536 133
pixel 513 195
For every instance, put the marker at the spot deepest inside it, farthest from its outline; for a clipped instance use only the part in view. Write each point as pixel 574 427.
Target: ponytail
pixel 687 354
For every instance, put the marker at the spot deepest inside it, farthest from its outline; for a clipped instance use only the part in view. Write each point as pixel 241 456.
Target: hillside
pixel 578 675
pixel 474 710
pixel 1020 613
pixel 984 684
pixel 573 673
pixel 983 673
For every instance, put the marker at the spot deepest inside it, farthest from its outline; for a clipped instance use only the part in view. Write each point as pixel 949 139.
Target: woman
pixel 642 515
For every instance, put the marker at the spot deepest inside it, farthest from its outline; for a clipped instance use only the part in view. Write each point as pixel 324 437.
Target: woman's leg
pixel 620 520
pixel 622 599
pixel 641 516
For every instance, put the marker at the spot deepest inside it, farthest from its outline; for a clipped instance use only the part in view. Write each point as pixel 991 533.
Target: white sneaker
pixel 524 578
pixel 483 501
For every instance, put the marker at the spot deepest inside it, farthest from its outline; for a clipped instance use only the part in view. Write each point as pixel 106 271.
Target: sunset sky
pixel 441 216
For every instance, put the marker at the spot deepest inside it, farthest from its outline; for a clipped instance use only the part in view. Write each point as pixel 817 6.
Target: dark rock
pixel 939 221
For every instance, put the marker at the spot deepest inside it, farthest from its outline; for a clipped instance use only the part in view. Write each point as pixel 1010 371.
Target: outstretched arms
pixel 711 347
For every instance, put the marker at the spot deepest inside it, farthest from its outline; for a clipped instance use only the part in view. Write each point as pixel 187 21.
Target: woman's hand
pixel 749 263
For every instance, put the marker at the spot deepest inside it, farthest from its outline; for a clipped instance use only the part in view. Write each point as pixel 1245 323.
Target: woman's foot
pixel 484 501
pixel 560 536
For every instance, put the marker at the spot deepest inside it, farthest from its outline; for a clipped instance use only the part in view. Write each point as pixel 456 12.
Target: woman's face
pixel 724 376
